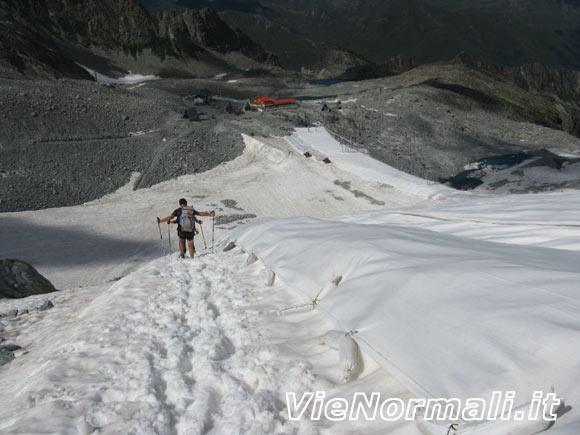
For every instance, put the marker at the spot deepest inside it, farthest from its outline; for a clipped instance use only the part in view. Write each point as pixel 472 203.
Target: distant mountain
pixel 337 62
pixel 48 38
pixel 248 6
pixel 347 65
pixel 205 28
pixel 508 32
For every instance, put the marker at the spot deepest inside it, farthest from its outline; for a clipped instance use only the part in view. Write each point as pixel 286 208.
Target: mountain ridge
pixel 499 31
pixel 118 35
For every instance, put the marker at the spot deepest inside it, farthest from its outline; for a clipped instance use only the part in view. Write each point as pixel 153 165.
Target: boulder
pixel 5 356
pixel 19 280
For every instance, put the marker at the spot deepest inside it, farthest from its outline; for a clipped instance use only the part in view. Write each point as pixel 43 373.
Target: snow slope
pixel 115 353
pixel 548 220
pixel 321 144
pixel 448 316
pixel 164 350
pixel 448 312
pixel 438 305
pixel 107 238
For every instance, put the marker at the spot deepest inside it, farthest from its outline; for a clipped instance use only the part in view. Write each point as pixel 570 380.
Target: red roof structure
pixel 267 101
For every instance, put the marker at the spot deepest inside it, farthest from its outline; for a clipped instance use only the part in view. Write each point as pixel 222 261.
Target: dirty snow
pixel 128 79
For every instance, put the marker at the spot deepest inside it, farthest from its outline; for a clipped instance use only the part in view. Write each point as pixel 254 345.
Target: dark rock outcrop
pixel 19 280
pixel 41 38
pixel 564 83
pixel 338 61
pixel 562 87
pixel 559 90
pixel 534 77
pixel 400 64
pixel 30 51
pixel 6 356
pixel 108 24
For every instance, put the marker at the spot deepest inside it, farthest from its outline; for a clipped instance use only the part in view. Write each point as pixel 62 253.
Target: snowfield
pixel 446 293
pixel 166 349
pixel 128 79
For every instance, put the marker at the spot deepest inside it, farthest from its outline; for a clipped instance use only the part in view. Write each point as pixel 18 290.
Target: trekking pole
pixel 203 236
pixel 161 238
pixel 212 230
pixel 169 236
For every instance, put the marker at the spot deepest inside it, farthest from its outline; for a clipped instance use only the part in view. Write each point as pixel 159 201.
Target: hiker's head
pixel 182 202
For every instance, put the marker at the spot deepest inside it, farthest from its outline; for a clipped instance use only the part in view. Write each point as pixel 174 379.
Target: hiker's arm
pixel 165 219
pixel 204 213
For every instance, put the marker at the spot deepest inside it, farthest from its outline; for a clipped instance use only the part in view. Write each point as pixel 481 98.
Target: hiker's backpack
pixel 187 219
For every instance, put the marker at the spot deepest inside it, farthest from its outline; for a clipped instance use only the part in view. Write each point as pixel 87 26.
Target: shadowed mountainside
pixel 499 31
pixel 47 38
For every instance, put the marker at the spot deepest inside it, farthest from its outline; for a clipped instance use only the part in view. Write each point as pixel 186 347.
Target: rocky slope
pixel 558 89
pixel 47 38
pixel 338 61
pixel 531 92
pixel 433 132
pixel 190 30
pixel 535 93
pixel 67 142
pixel 29 51
pixel 344 64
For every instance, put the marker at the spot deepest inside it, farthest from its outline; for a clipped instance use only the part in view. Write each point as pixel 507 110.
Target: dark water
pixel 326 82
pixel 468 179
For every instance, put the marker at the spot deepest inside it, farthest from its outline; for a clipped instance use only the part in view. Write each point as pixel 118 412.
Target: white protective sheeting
pixel 550 220
pixel 321 144
pixel 348 357
pixel 449 316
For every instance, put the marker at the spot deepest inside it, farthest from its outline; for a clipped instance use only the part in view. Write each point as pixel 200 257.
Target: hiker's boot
pixel 182 254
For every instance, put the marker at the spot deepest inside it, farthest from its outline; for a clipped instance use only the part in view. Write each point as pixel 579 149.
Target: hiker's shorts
pixel 185 235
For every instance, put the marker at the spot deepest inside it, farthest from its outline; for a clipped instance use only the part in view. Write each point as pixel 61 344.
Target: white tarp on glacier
pixel 451 317
pixel 321 144
pixel 457 300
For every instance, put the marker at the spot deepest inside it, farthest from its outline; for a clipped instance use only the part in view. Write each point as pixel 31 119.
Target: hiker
pixel 185 225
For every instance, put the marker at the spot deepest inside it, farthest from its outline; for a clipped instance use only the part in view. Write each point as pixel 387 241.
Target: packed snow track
pixel 169 349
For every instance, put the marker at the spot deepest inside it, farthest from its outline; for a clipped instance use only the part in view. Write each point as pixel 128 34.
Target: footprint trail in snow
pixel 169 349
